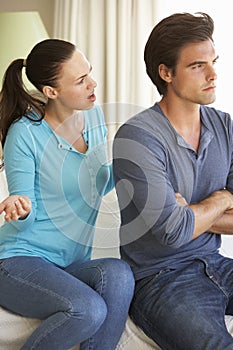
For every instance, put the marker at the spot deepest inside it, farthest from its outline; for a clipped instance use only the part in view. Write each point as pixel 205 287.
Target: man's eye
pixel 197 66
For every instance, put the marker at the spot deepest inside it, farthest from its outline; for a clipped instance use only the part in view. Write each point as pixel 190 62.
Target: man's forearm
pixel 224 225
pixel 210 213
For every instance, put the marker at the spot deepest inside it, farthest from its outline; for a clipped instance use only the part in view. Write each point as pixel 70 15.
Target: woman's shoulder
pixel 20 128
pixel 25 130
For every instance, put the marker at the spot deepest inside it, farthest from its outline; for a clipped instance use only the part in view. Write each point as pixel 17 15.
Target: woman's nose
pixel 92 82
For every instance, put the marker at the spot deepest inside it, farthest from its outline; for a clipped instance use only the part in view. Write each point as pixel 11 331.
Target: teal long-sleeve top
pixel 64 186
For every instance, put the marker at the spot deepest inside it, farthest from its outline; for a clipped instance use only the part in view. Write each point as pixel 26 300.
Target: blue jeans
pixel 86 303
pixel 184 309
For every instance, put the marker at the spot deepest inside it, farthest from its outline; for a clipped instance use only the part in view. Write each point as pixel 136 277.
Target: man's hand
pixel 181 200
pixel 15 207
pixel 213 214
pixel 212 210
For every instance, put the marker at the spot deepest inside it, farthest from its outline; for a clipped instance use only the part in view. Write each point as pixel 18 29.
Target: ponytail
pixel 15 100
pixel 43 66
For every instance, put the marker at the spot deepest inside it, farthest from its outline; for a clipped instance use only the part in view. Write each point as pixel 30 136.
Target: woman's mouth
pixel 92 97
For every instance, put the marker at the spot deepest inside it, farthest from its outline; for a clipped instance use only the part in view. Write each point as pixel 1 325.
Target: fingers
pixel 16 207
pixel 11 216
pixel 2 208
pixel 180 200
pixel 24 204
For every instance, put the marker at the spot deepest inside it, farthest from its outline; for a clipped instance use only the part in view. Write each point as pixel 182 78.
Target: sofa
pixel 15 329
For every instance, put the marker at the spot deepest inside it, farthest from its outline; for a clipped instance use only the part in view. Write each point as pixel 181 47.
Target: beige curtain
pixel 112 34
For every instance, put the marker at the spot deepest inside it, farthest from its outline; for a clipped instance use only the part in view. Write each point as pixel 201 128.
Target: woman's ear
pixel 165 73
pixel 50 92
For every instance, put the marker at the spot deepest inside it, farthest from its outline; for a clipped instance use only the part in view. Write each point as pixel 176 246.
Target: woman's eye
pixel 81 81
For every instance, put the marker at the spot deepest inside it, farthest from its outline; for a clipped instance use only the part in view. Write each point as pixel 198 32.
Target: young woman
pixel 57 172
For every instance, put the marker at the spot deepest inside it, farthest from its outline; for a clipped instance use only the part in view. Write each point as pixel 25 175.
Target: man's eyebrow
pixel 84 75
pixel 201 62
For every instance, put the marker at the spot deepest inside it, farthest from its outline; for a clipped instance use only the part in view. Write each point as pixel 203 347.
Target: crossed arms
pixel 214 213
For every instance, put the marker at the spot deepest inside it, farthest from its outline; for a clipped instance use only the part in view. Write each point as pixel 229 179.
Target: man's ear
pixel 49 92
pixel 165 73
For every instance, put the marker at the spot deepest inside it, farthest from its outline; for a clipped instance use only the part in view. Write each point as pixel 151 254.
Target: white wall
pixel 44 7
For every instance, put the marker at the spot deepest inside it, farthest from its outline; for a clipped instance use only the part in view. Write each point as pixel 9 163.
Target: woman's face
pixel 75 86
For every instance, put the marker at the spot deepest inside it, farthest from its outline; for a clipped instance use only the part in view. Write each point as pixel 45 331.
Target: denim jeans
pixel 184 309
pixel 86 303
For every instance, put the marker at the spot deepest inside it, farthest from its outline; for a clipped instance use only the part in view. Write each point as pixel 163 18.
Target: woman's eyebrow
pixel 84 75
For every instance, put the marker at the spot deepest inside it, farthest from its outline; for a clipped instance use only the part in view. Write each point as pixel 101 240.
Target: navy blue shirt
pixel 151 163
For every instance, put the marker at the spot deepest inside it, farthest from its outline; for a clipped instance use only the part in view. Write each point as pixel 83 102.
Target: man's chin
pixel 209 101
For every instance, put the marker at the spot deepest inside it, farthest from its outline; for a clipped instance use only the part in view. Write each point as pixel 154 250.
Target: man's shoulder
pixel 212 112
pixel 146 121
pixel 213 118
pixel 146 116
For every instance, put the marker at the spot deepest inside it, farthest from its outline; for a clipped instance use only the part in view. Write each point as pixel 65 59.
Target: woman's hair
pixel 43 66
pixel 169 37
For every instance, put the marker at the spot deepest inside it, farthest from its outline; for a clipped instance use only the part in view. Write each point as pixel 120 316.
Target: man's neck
pixel 185 118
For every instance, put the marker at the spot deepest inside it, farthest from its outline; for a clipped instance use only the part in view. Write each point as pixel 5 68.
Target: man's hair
pixel 168 38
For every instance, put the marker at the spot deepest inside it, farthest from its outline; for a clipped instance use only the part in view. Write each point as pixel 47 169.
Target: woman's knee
pixel 119 273
pixel 91 311
pixel 96 312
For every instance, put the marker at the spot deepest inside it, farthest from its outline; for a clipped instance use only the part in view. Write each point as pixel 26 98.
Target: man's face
pixel 195 76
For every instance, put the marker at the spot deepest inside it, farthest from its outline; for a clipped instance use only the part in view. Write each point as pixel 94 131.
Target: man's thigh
pixel 182 309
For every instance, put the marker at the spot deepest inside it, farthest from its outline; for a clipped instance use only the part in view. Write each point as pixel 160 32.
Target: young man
pixel 173 168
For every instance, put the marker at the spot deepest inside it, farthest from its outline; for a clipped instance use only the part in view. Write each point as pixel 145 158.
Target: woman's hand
pixel 15 207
